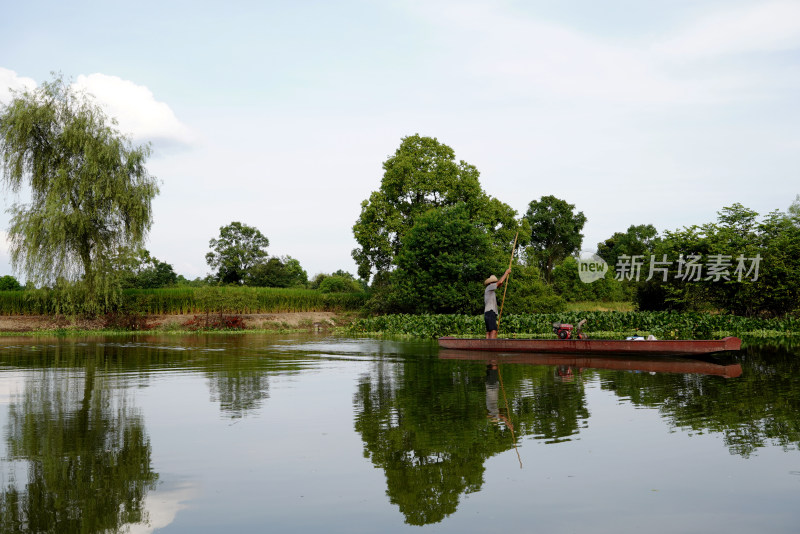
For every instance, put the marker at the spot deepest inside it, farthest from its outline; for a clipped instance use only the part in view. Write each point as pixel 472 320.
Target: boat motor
pixel 567 331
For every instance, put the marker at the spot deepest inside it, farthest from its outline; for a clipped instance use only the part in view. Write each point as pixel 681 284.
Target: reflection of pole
pixel 505 287
pixel 510 425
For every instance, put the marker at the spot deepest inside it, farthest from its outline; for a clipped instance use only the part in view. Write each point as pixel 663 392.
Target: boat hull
pixel 594 346
pixel 643 363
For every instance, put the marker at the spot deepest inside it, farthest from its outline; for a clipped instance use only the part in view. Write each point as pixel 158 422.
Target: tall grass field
pixel 187 300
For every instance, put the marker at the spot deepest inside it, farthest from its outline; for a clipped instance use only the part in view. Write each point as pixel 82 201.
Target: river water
pixel 309 433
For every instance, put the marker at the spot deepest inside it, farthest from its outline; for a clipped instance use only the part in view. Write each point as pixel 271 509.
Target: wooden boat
pixel 647 364
pixel 594 346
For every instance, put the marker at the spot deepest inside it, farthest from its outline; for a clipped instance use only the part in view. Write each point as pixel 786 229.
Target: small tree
pixel 337 283
pixel 148 272
pixel 9 283
pixel 237 250
pixel 277 272
pixel 90 192
pixel 555 232
pixel 637 240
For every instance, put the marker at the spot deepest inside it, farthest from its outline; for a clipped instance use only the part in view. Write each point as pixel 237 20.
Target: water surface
pixel 305 433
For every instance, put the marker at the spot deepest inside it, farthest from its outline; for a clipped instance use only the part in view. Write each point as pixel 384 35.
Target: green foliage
pixel 555 232
pixel 277 272
pixel 442 264
pixel 90 192
pixel 9 283
pixel 794 211
pixel 526 292
pixel 637 240
pixel 147 272
pixel 337 283
pixel 737 234
pixel 238 249
pixel 568 285
pixel 422 174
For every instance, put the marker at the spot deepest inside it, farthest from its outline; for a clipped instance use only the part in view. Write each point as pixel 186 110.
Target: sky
pixel 279 114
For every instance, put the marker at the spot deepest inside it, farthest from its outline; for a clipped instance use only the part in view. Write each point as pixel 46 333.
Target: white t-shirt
pixel 490 298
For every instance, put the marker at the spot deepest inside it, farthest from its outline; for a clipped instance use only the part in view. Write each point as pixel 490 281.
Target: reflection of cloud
pixel 161 507
pixel 136 109
pixel 9 386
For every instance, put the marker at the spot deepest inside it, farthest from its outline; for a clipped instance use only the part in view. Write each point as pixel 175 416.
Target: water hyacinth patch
pixel 663 325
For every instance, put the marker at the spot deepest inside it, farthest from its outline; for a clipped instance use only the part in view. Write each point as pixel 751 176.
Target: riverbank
pixel 311 321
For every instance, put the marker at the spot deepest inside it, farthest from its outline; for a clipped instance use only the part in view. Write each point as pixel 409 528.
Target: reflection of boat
pixel 594 346
pixel 662 364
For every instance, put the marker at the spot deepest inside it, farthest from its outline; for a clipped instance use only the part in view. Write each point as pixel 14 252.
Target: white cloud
pixel 11 80
pixel 763 27
pixel 135 107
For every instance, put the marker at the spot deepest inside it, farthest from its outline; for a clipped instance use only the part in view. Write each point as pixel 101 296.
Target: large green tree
pixel 555 232
pixel 9 283
pixel 422 174
pixel 238 248
pixel 90 194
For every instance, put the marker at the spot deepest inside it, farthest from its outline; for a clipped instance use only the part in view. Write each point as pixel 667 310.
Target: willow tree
pixel 90 194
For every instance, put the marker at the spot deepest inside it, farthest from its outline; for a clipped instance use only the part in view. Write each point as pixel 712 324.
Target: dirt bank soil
pixel 31 323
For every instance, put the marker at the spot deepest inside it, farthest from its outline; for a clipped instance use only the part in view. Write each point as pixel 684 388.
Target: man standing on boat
pixel 490 303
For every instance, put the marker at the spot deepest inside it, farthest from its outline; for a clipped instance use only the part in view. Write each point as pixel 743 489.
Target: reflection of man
pixel 492 387
pixel 490 303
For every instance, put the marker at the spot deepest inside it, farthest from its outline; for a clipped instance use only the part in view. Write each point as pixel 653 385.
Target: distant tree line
pixel 427 237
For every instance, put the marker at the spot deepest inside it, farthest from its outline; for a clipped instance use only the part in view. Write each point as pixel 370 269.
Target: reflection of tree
pixel 239 390
pixel 758 408
pixel 425 423
pixel 87 453
pixel 555 407
pixel 239 384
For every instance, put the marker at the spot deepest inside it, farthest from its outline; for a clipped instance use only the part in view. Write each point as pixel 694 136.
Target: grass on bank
pixel 587 306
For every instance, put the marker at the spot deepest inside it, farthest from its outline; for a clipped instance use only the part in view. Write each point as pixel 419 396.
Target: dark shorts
pixel 490 318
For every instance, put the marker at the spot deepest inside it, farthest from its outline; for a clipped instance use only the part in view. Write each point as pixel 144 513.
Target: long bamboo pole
pixel 499 374
pixel 505 287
